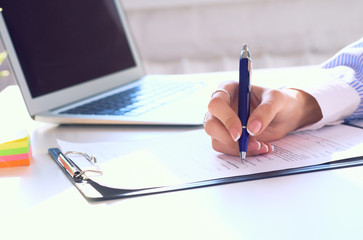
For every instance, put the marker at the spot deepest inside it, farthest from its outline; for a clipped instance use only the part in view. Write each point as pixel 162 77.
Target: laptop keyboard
pixel 138 100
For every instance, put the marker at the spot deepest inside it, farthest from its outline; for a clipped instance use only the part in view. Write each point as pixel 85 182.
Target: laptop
pixel 77 63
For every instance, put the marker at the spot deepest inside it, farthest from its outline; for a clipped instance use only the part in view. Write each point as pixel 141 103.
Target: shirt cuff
pixel 336 98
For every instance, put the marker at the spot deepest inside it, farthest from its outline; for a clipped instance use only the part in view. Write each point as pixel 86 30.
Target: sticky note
pixel 16 152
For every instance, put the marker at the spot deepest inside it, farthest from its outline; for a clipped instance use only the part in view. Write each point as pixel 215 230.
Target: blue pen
pixel 245 65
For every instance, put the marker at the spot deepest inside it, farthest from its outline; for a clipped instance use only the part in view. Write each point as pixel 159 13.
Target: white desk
pixel 38 201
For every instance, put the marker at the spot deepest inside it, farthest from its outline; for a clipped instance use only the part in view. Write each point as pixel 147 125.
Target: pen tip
pixel 245 47
pixel 243 156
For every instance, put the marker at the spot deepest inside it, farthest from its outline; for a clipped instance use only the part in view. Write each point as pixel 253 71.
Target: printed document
pixel 188 157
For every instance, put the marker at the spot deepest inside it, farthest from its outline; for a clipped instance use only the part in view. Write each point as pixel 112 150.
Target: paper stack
pixel 16 150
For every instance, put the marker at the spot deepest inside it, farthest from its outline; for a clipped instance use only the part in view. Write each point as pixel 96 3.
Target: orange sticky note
pixel 15 153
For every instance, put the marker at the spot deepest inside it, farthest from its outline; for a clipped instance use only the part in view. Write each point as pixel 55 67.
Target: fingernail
pixel 254 146
pixel 272 148
pixel 266 147
pixel 253 127
pixel 259 145
pixel 235 134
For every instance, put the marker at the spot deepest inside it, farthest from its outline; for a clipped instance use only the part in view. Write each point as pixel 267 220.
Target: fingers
pixel 224 126
pixel 215 128
pixel 272 101
pixel 222 141
pixel 254 148
pixel 222 107
pixel 264 148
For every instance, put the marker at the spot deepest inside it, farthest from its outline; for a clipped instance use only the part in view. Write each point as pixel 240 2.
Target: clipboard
pixel 94 191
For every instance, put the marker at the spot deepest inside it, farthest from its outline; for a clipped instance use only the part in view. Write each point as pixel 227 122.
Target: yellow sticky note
pixel 16 152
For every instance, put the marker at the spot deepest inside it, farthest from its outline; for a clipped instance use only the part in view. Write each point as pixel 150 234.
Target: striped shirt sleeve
pixel 352 58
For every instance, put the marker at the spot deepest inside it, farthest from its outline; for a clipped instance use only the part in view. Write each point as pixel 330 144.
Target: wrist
pixel 307 109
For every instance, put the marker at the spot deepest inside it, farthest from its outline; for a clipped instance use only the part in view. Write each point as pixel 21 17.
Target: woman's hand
pixel 274 113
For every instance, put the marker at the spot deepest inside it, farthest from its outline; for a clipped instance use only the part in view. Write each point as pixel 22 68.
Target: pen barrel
pixel 244 90
pixel 243 142
pixel 244 100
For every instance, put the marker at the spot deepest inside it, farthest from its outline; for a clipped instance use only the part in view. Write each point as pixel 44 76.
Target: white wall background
pixel 184 36
pixel 188 36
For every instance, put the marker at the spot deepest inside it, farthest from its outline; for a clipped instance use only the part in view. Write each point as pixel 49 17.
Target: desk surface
pixel 39 201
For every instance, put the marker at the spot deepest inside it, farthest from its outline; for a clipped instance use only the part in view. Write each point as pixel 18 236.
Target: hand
pixel 274 113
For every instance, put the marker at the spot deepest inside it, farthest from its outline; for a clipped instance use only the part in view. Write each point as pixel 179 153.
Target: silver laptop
pixel 77 63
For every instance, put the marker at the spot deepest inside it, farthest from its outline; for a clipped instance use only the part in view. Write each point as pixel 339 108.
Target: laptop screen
pixel 62 43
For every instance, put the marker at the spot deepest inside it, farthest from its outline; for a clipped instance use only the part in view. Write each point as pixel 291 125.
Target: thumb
pixel 265 112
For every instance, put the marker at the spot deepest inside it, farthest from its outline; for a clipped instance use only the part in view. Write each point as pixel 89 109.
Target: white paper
pixel 188 157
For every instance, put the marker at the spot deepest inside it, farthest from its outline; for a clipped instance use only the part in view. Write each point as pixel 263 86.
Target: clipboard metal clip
pixel 74 170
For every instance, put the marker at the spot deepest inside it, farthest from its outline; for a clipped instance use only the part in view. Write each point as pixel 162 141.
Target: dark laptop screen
pixel 61 43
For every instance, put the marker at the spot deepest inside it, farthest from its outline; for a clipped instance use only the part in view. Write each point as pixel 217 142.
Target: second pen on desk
pixel 245 67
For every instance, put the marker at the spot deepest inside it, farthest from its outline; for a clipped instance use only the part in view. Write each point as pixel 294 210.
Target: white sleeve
pixel 336 98
pixel 338 86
